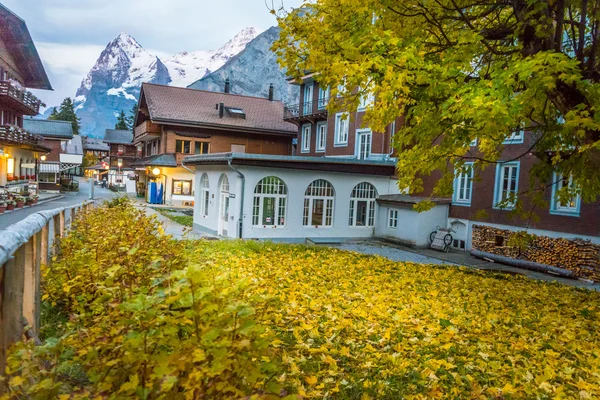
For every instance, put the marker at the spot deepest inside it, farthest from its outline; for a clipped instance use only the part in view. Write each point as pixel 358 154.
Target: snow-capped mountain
pixel 252 70
pixel 186 68
pixel 113 84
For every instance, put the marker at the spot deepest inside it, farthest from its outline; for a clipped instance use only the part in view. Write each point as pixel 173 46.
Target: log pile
pixel 577 255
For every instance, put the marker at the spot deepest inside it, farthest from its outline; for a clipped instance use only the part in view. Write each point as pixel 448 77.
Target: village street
pixel 10 218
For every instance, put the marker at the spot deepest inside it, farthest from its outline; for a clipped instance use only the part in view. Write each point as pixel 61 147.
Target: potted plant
pixel 19 201
pixel 35 198
pixel 2 206
pixel 10 205
pixel 28 201
pixel 22 177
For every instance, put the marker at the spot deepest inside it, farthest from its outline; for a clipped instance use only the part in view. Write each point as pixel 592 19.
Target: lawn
pixel 185 220
pixel 228 319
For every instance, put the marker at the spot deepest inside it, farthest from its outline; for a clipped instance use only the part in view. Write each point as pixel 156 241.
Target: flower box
pixel 20 204
pixel 2 209
pixel 29 202
pixel 10 207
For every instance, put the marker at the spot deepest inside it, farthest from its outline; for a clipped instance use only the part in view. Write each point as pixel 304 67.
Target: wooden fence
pixel 24 247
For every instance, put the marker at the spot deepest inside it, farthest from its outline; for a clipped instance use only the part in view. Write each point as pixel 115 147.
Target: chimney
pixel 271 92
pixel 221 110
pixel 227 85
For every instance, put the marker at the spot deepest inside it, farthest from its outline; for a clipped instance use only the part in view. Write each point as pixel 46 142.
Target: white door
pixel 308 97
pixel 363 144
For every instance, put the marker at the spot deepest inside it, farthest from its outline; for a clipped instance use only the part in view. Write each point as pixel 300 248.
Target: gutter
pixel 186 168
pixel 241 223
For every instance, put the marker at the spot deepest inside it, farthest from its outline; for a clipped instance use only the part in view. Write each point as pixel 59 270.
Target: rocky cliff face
pixel 251 71
pixel 114 83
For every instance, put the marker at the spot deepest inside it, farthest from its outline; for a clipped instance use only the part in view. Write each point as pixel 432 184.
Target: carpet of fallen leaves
pixel 353 326
pixel 145 316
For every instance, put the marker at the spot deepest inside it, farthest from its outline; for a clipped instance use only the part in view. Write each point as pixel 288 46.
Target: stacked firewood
pixel 577 255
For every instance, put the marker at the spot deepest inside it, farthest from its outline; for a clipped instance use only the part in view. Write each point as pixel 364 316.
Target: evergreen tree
pixel 53 114
pixel 132 114
pixel 122 121
pixel 66 112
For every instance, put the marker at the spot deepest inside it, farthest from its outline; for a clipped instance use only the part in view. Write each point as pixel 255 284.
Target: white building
pixel 295 198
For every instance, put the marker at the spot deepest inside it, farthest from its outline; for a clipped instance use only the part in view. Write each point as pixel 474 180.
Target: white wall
pixel 297 181
pixel 177 174
pixel 413 227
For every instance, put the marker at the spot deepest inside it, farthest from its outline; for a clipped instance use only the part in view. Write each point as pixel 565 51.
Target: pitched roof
pixel 74 146
pixel 49 128
pixel 94 144
pixel 199 108
pixel 158 160
pixel 16 37
pixel 118 136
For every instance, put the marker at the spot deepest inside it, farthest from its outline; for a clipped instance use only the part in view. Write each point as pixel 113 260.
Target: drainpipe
pixel 242 196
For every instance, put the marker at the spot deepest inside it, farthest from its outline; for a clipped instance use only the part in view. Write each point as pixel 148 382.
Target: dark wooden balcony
pixel 306 111
pixel 15 136
pixel 20 100
pixel 146 131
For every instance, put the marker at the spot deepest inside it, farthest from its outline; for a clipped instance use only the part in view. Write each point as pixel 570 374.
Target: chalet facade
pixel 66 152
pixel 122 155
pixel 96 147
pixel 20 68
pixel 173 123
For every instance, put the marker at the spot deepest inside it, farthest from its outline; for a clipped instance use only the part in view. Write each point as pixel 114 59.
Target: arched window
pixel 362 205
pixel 204 195
pixel 318 204
pixel 270 200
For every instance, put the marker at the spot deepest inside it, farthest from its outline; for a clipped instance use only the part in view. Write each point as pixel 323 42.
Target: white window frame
pixel 358 150
pixel 516 137
pixel 271 187
pixel 393 218
pixel 473 143
pixel 204 195
pixel 499 184
pixel 323 97
pixel 321 137
pixel 317 191
pixel 364 191
pixel 556 208
pixel 307 105
pixel 463 184
pixel 341 138
pixel 366 101
pixel 306 131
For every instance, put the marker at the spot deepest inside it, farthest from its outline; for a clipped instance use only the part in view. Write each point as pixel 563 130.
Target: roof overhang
pixel 303 78
pixel 405 200
pixel 14 33
pixel 329 164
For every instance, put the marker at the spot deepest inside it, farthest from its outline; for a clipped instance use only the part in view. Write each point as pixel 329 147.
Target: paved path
pixel 8 219
pixel 397 252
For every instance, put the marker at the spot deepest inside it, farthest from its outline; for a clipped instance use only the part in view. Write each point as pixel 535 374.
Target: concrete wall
pixel 297 182
pixel 413 228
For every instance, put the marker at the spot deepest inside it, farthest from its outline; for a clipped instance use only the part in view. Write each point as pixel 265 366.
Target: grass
pixel 185 220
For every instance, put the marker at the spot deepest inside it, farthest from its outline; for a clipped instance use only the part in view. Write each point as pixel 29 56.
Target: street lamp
pixel 156 171
pixel 43 158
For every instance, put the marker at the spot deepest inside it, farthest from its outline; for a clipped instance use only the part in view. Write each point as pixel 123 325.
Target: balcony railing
pixel 146 128
pixel 15 136
pixel 22 97
pixel 306 109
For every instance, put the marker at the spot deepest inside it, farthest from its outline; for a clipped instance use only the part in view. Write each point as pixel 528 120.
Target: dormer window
pixel 236 112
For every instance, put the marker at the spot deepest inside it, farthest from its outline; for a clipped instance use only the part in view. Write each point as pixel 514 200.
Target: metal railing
pixel 305 109
pixel 22 96
pixel 24 248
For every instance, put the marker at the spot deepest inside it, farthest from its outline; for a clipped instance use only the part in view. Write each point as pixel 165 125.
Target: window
pixel 341 129
pixel 270 199
pixel 205 196
pixel 473 142
pixel 392 218
pixel 318 204
pixel 570 206
pixel 238 148
pixel 323 97
pixel 507 185
pixel 308 99
pixel 183 146
pixel 362 205
pixel 236 112
pixel 458 244
pixel 366 101
pixel 363 144
pixel 183 188
pixel 392 134
pixel 46 177
pixel 10 167
pixel 306 138
pixel 515 137
pixel 201 148
pixel 321 141
pixel 463 185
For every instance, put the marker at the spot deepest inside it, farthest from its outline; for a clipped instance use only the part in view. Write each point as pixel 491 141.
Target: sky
pixel 71 34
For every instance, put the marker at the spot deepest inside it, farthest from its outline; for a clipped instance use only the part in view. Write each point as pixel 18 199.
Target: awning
pixel 50 168
pixel 28 165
